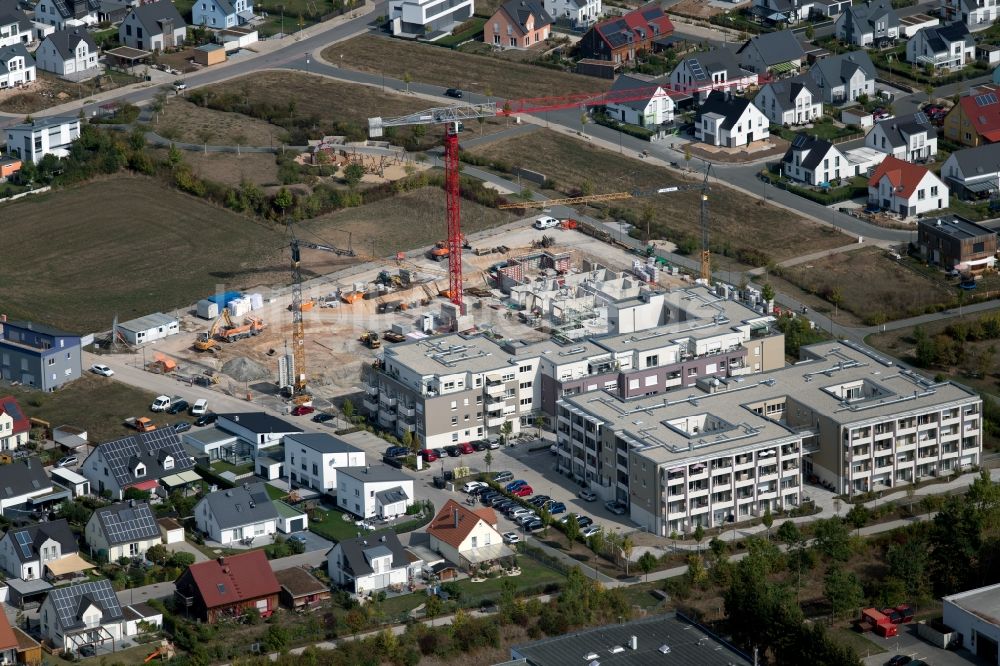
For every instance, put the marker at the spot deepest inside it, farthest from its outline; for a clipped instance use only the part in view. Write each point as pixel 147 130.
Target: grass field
pixel 476 73
pixel 229 168
pixel 96 404
pixel 333 526
pixel 83 259
pixel 734 220
pixel 868 284
pixel 188 123
pixel 413 219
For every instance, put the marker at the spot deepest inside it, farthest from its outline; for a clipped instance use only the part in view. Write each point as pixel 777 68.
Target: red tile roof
pixel 444 526
pixel 645 23
pixel 229 580
pixel 8 641
pixel 983 111
pixel 903 176
pixel 8 405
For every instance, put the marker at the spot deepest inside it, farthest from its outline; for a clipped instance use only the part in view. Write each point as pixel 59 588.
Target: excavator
pixel 440 250
pixel 230 331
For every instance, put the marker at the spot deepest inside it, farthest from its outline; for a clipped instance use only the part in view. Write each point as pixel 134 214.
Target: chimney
pixel 634 642
pixel 456 518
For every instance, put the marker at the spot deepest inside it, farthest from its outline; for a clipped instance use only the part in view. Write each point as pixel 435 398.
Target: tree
pixel 908 563
pixel 719 548
pixel 283 200
pixel 833 539
pixel 627 545
pixel 767 292
pixel 204 135
pixel 353 173
pixel 174 156
pixel 506 429
pixel 407 78
pixel 348 409
pixel 858 516
pixel 408 441
pixel 699 534
pixel 433 607
pixel 843 590
pixel 158 554
pixel 488 459
pixel 539 424
pixel 572 529
pixel 768 520
pixel 810 31
pixel 789 533
pixel 646 563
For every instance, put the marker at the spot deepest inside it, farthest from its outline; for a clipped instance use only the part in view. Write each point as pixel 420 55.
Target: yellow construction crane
pixel 703 187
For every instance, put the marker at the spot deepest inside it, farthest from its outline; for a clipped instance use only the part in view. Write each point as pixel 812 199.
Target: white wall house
pixel 700 73
pixel 655 107
pixel 942 47
pixel 792 101
pixel 973 615
pixel 466 537
pixel 814 161
pixel 845 77
pixel 125 529
pixel 869 23
pixel 15 28
pixel 43 136
pixel 69 51
pixel 906 189
pixel 580 13
pixel 975 14
pixel 906 138
pixel 417 18
pixel 374 492
pixel 22 480
pixel 724 120
pixel 26 551
pixel 257 429
pixel 312 460
pixel 17 67
pixel 230 516
pixel 62 14
pixel 368 563
pixel 156 26
pixel 86 614
pixel 973 172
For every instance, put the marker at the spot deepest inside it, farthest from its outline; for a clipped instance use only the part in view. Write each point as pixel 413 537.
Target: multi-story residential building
pixel 43 136
pixel 39 355
pixel 429 19
pixel 844 415
pixel 312 460
pixel 459 388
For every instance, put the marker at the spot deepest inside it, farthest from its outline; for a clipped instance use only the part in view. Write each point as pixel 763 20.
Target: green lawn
pixel 333 526
pixel 533 576
pixel 273 492
pixel 395 607
pixel 828 131
pixel 220 466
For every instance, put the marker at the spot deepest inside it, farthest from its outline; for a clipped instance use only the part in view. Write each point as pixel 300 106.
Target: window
pixel 524 368
pixel 454 420
pixel 652 360
pixel 526 385
pixel 51 361
pixel 454 405
pixel 525 402
pixel 934 190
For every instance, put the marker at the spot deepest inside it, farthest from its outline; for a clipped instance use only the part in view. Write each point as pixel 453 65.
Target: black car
pixel 322 417
pixel 206 419
pixel 178 407
pixel 584 521
pixel 480 445
pixel 453 451
pixel 899 660
pixel 533 525
pixel 539 500
pixel 396 451
pixel 182 426
pixel 453 92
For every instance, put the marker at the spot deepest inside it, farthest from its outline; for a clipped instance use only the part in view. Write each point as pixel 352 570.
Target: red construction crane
pixel 451 116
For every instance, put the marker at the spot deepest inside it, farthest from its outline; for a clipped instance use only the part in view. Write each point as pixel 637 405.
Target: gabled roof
pixel 787 91
pixel 23 477
pixel 232 579
pixel 258 422
pixel 359 551
pixel 982 108
pixel 27 540
pixel 242 505
pixel 152 15
pixel 903 176
pixel 127 522
pixel 866 14
pixel 814 147
pixel 43 329
pixel 646 22
pixel 455 522
pixel 520 11
pixel 775 48
pixel 838 69
pixel 715 61
pixel 75 8
pixel 12 51
pixel 9 405
pixel 940 37
pixel 298 582
pixel 151 449
pixel 8 641
pixel 898 130
pixel 984 159
pixel 729 106
pixel 11 12
pixel 66 41
pixel 649 88
pixel 72 602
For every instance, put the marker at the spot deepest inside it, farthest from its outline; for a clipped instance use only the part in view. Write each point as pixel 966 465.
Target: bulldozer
pixel 370 339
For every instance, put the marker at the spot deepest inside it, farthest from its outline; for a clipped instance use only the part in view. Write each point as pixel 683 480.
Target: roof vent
pixel 616 649
pixel 664 649
pixel 592 656
pixel 634 642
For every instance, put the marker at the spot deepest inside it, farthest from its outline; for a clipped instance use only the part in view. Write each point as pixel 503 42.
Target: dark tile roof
pixel 258 422
pixel 354 550
pixel 154 13
pixel 72 602
pixel 151 449
pixel 817 149
pixel 128 522
pixel 838 69
pixel 724 104
pixel 322 443
pixel 775 47
pixel 27 540
pixel 75 8
pixel 644 23
pixel 241 505
pixel 786 91
pixel 521 10
pixel 897 130
pixel 22 477
pixel 66 41
pixel 44 329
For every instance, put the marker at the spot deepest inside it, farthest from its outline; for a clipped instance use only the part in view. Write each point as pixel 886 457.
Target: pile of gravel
pixel 243 369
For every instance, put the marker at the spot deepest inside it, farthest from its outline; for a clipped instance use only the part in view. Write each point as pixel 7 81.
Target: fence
pixel 15 197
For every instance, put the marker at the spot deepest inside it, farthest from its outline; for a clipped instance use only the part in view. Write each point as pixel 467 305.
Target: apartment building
pixel 741 445
pixel 459 388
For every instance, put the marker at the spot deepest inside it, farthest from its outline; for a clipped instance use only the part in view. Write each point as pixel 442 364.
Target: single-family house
pixel 953 242
pixel 312 460
pixel 948 46
pixel 221 13
pixel 17 67
pixel 374 492
pixel 774 53
pixel 700 73
pixel 125 529
pixel 651 105
pixel 300 590
pixel 975 14
pixel 830 8
pixel 15 26
pixel 113 11
pixel 86 614
pixel 727 120
pixel 776 12
pixel 21 481
pixel 466 537
pixel 620 39
pixel 236 514
pixel 62 14
pixel 906 189
pixel 8 642
pixel 27 552
pixel 975 120
pixel 31 142
pixel 973 173
pixel 815 161
pixel 227 587
pixel 9 166
pixel 518 24
pixel 69 51
pixel 873 23
pixel 257 429
pixel 369 563
pixel 791 101
pixel 911 138
pixel 145 461
pixel 156 26
pixel 428 19
pixel 14 425
pixel 576 13
pixel 845 77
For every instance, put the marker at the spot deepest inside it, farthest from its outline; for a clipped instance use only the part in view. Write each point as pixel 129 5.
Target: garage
pixel 296 524
pixel 290 519
pixel 973 615
pixel 170 530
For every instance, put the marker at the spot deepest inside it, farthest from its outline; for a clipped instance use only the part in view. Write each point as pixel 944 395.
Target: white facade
pixel 18 67
pixel 413 18
pixel 98 541
pixel 975 14
pixel 816 169
pixel 711 75
pixel 207 523
pixel 781 110
pixel 313 466
pixel 579 13
pixel 658 109
pixel 751 125
pixel 973 614
pixel 48 551
pixel 940 53
pixel 383 574
pixel 50 59
pixel 33 141
pixel 908 142
pixel 14 33
pixel 9 441
pixel 930 194
pixel 482 535
pixel 358 494
pixel 46 12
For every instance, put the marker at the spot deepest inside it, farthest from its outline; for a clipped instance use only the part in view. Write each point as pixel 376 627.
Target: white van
pixel 546 222
pixel 199 407
pixel 160 404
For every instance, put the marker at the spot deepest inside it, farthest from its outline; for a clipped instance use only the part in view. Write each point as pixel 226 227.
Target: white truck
pixel 163 402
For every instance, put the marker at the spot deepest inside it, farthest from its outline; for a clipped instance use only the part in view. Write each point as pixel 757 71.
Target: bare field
pixel 477 73
pixel 736 220
pixel 50 90
pixel 229 168
pixel 188 123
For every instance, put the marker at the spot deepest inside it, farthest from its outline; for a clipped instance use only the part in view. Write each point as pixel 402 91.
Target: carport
pixel 126 56
pixel 25 593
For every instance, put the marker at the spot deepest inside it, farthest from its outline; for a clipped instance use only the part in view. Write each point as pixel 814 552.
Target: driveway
pixel 908 643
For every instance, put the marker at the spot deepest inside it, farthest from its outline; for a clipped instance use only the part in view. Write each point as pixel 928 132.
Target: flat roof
pixel 147 322
pixel 209 436
pixel 321 442
pixel 68 475
pixel 955 226
pixel 374 473
pixel 450 354
pixel 983 602
pixel 667 638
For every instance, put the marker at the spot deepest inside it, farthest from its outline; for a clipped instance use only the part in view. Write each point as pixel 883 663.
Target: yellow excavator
pixel 206 341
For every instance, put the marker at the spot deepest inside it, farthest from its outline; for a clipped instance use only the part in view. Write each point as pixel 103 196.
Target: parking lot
pixel 908 643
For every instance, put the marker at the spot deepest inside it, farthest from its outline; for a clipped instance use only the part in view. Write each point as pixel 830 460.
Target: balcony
pixel 371 406
pixel 495 422
pixel 406 411
pixel 494 407
pixel 371 390
pixel 386 418
pixel 495 390
pixel 387 401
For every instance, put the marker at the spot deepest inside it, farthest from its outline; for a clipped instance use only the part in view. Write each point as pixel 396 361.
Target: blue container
pixel 223 299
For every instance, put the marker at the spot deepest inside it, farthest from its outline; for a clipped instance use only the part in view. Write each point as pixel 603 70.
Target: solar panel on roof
pixel 67 601
pixel 986 100
pixel 921 118
pixel 130 524
pixel 696 70
pixel 24 541
pixel 14 410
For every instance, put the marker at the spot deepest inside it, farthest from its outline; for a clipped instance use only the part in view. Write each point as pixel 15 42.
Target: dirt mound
pixel 243 369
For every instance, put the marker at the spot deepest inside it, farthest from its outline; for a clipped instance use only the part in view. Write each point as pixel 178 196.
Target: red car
pixel 302 410
pixel 466 448
pixel 522 491
pixel 429 455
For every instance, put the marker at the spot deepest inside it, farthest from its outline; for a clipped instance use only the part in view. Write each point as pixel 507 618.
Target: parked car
pixel 503 477
pixel 480 445
pixel 493 443
pixel 584 521
pixel 588 532
pixel 556 508
pixel 199 408
pixel 298 538
pixel 539 500
pixel 472 485
pixel 206 419
pixel 67 461
pixel 522 491
pixel 453 92
pixel 429 455
pixel 510 487
pixel 178 406
pixel 545 222
pixel 102 370
pixel 511 537
pixel 503 504
pixel 587 495
pixel 453 451
pixel 534 525
pixel 899 660
pixel 182 426
pixel 302 410
pixel 526 518
pixel 487 496
pixel 466 448
pixel 396 451
pixel 322 417
pixel 496 500
pixel 616 508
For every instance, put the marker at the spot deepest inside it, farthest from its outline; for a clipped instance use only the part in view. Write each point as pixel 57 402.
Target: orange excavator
pixel 440 250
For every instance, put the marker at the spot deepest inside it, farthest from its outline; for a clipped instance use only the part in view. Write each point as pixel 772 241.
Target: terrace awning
pixel 180 479
pixel 67 565
pixel 783 67
pixel 487 553
pixel 148 485
pixel 981 186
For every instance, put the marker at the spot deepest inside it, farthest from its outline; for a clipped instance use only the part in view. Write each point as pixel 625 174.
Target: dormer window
pixel 168 462
pixel 139 470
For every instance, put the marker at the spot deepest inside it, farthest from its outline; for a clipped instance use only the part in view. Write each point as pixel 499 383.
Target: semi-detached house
pixel 791 101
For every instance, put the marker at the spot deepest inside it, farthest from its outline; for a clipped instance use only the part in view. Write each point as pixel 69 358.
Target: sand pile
pixel 243 369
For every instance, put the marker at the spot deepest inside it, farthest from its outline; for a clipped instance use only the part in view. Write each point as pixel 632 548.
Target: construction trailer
pixel 152 327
